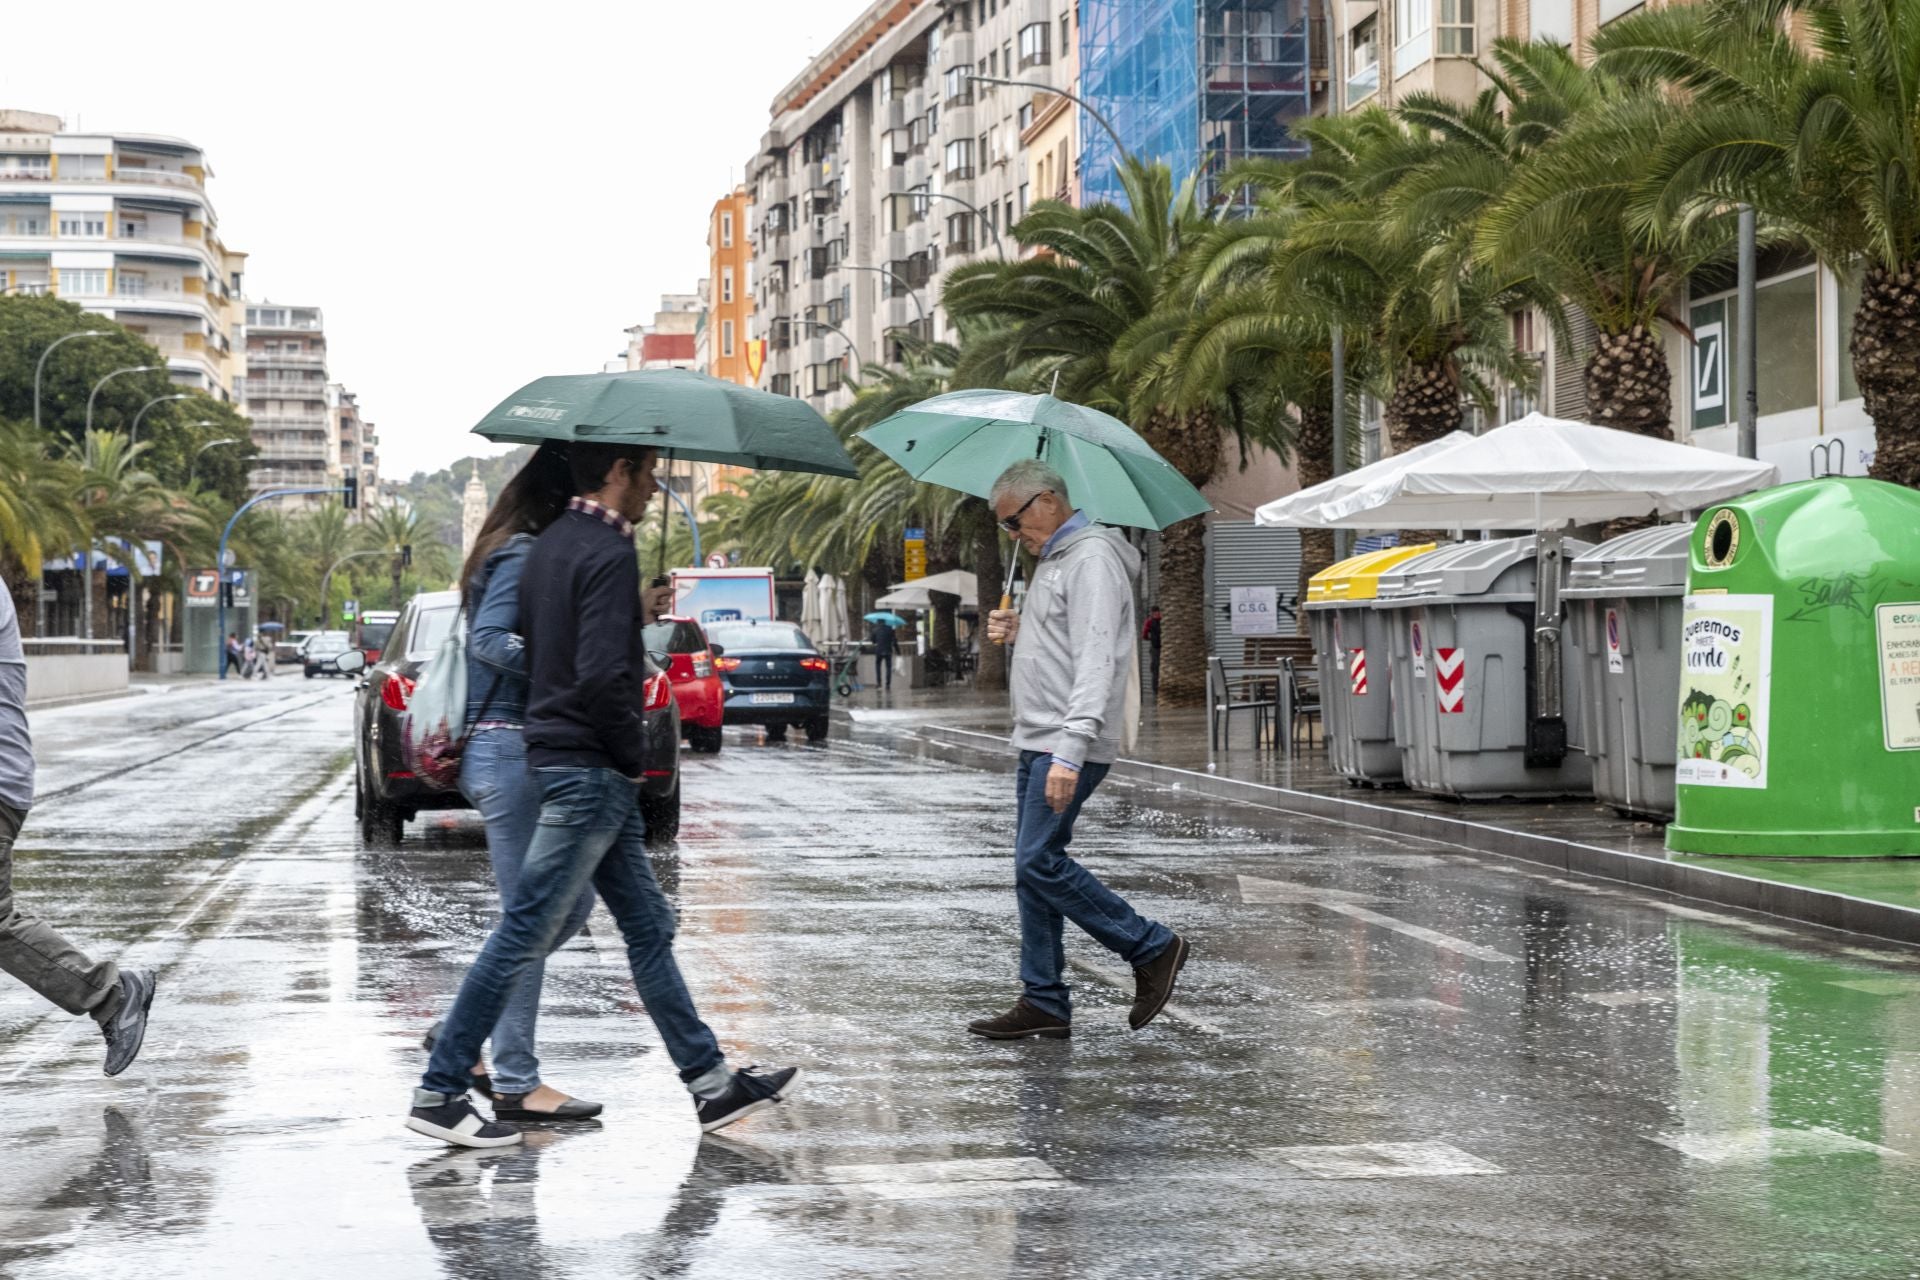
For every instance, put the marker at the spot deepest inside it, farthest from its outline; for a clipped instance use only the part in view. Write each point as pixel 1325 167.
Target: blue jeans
pixel 495 779
pixel 590 832
pixel 1053 888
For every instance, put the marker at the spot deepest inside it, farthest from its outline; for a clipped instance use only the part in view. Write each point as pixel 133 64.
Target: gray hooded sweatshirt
pixel 1071 659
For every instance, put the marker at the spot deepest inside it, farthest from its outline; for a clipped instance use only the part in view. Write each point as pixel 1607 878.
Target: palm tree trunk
pixel 1424 406
pixel 1313 463
pixel 1886 363
pixel 1183 615
pixel 991 673
pixel 946 608
pixel 1629 384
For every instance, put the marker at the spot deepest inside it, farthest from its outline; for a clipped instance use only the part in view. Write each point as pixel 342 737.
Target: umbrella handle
pixel 1006 591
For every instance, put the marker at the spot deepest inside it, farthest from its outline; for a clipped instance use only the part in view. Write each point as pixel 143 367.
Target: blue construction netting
pixel 1197 84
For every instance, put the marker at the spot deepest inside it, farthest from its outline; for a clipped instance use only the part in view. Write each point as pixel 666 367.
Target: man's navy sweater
pixel 586 652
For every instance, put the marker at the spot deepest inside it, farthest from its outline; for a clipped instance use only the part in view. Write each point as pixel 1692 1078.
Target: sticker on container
pixel 1898 626
pixel 1614 664
pixel 1450 679
pixel 1419 649
pixel 1726 652
pixel 1357 678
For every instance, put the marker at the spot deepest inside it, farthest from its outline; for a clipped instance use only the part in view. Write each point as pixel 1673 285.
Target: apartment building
pixel 723 337
pixel 891 159
pixel 359 442
pixel 669 341
pixel 287 396
pixel 1812 418
pixel 122 224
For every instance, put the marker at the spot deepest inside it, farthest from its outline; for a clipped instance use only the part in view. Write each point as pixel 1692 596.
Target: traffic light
pixel 406 555
pixel 351 498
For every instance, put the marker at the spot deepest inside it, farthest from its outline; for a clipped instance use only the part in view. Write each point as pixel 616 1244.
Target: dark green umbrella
pixel 677 411
pixel 963 440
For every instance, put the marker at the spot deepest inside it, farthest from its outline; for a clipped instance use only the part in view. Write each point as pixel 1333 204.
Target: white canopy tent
pixel 1540 473
pixel 833 611
pixel 917 594
pixel 1298 509
pixel 810 611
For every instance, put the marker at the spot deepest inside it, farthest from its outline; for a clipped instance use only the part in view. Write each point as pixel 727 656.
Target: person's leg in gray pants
pixel 33 952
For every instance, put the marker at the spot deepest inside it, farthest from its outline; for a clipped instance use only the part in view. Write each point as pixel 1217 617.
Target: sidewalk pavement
pixel 1878 897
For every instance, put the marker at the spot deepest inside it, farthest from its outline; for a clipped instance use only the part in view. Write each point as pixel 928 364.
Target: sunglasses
pixel 1012 523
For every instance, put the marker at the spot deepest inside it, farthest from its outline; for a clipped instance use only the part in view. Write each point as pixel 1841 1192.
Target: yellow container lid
pixel 1358 578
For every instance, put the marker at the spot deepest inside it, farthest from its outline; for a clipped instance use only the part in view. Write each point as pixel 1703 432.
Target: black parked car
pixel 774 676
pixel 386 794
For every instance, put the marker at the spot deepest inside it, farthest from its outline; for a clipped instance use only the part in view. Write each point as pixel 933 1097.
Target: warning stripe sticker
pixel 1450 679
pixel 1358 674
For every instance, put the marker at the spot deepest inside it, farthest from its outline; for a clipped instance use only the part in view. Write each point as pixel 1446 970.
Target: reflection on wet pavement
pixel 1389 1058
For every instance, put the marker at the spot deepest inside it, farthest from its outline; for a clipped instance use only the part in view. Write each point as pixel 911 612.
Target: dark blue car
pixel 773 676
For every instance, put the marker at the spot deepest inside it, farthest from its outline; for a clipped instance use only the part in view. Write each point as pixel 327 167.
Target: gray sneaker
pixel 126 1030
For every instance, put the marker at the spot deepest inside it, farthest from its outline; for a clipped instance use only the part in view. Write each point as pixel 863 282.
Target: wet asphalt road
pixel 1388 1058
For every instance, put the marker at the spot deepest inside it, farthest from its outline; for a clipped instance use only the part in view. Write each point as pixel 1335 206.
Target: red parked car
pixel 696 683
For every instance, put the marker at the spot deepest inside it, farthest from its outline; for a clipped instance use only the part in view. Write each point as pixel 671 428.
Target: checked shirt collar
pixel 604 514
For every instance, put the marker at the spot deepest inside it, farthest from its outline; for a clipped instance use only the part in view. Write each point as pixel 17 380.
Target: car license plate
pixel 771 699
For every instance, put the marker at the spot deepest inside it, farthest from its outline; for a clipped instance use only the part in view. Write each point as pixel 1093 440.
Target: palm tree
pixel 394 526
pixel 40 509
pixel 1568 220
pixel 125 503
pixel 1093 307
pixel 1814 124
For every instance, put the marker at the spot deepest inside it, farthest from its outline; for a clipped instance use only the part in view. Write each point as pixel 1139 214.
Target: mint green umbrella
pixel 963 440
pixel 676 411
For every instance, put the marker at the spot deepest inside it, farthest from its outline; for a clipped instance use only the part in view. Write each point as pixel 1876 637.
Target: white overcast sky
pixel 477 195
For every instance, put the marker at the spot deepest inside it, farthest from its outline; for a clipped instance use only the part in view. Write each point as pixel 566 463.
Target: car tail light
pixel 726 664
pixel 814 664
pixel 659 693
pixel 702 665
pixel 396 691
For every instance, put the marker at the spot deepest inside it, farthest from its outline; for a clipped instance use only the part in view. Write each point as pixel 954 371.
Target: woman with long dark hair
pixel 493 769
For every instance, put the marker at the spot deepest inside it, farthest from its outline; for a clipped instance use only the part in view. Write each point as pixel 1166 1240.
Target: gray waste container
pixel 1350 645
pixel 1624 599
pixel 1461 624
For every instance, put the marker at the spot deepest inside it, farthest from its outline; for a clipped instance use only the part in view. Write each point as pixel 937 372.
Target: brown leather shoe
pixel 1022 1022
pixel 1153 982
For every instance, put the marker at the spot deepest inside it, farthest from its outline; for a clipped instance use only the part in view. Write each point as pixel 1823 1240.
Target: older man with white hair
pixel 1073 656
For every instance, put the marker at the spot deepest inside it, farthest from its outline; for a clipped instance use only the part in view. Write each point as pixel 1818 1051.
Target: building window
pixel 1363 60
pixel 960 232
pixel 957 88
pixel 1006 58
pixel 82 282
pixel 1413 30
pixel 726 229
pixel 726 338
pixel 1786 329
pixel 1023 199
pixel 1456 28
pixel 960 158
pixel 726 284
pixel 1066 35
pixel 1023 118
pixel 91 226
pixel 130 284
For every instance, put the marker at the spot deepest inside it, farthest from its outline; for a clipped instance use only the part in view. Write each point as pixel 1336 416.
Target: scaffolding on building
pixel 1197 84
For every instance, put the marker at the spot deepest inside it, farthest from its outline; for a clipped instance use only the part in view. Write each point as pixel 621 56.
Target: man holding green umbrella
pixel 1072 664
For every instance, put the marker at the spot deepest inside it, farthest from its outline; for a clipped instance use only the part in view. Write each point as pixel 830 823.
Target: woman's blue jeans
pixel 495 779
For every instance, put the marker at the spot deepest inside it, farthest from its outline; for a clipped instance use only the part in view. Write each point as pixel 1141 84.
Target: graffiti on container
pixel 1851 592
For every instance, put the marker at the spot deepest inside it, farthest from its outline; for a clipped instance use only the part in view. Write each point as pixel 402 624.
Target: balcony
pixel 147 177
pixel 259 389
pixel 290 422
pixel 272 451
pixel 262 358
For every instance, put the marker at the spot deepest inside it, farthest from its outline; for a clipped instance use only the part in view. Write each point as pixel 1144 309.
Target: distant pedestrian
pixel 233 655
pixel 885 643
pixel 30 950
pixel 581 614
pixel 1073 658
pixel 1152 634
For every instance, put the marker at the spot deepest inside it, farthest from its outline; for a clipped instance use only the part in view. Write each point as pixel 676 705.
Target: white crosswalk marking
pixel 1381 1160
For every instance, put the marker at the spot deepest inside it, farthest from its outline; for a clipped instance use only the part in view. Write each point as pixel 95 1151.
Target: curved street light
pixel 42 364
pixel 1084 105
pixel 858 363
pixel 965 204
pixel 132 368
pixel 202 449
pixel 892 275
pixel 133 433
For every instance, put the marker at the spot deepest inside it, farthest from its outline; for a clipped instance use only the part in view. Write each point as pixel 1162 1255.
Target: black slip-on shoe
pixel 456 1121
pixel 1022 1022
pixel 482 1082
pixel 749 1092
pixel 126 1030
pixel 506 1106
pixel 1153 982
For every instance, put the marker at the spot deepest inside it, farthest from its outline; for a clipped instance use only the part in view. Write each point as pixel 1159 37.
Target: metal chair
pixel 1302 705
pixel 1225 697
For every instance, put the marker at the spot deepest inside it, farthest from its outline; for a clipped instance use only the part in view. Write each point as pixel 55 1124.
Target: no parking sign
pixel 1614 663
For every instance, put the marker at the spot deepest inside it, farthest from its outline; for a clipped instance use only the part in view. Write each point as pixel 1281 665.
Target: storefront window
pixel 1849 303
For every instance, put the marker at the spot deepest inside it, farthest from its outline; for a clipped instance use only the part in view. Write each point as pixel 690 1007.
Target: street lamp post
pixel 1084 105
pixel 979 217
pixel 892 275
pixel 132 368
pixel 133 432
pixel 42 364
pixel 202 449
pixel 859 364
pixel 86 575
pixel 326 579
pixel 220 567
